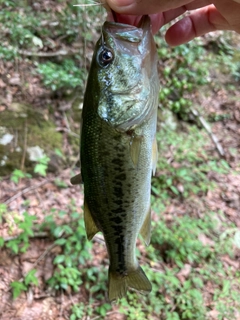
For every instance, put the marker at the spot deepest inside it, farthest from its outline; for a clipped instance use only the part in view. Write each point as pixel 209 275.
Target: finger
pixel 172 14
pixel 231 12
pixel 145 7
pixel 157 20
pixel 196 24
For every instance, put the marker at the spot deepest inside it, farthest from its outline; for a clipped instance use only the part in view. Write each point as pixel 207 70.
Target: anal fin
pixel 90 225
pixel 146 228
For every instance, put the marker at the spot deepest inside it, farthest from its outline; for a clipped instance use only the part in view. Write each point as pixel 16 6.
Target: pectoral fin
pixel 146 228
pixel 76 179
pixel 135 148
pixel 90 226
pixel 154 156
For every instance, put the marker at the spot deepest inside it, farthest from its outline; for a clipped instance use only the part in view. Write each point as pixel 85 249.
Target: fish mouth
pixel 123 19
pixel 127 32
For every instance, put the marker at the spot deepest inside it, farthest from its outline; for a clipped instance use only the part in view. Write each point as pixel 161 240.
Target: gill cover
pixel 125 78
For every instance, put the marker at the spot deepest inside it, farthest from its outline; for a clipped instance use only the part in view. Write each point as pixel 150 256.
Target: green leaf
pixel 68 261
pixel 37 42
pixel 58 152
pixel 58 231
pixel 61 241
pixel 3 208
pixel 64 285
pixel 17 288
pixel 237 239
pixel 13 245
pixel 41 169
pixel 1 242
pixel 16 175
pixel 59 259
pixel 174 190
pixel 30 278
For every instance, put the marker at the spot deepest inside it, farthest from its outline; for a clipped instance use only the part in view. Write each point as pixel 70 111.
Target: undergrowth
pixel 194 244
pixel 189 167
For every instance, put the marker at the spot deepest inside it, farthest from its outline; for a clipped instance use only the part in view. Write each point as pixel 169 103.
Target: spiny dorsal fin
pixel 90 226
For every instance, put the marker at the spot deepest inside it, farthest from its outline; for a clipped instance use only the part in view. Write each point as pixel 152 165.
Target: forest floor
pixel 40 195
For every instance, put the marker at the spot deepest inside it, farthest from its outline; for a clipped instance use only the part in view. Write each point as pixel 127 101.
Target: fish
pixel 118 148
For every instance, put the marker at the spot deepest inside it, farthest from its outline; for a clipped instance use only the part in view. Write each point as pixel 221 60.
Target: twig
pixel 26 190
pixel 207 127
pixel 88 5
pixel 35 235
pixel 37 261
pixel 68 126
pixel 24 146
pixel 43 255
pixel 98 240
pixel 61 52
pixel 68 131
pixel 62 301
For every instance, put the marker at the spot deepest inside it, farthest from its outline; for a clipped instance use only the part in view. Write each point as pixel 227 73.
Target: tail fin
pixel 118 284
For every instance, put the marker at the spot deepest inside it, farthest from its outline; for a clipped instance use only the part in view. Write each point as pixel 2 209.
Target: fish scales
pixel 118 147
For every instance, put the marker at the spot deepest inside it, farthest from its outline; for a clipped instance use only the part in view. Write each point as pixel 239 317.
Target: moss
pixel 40 133
pixel 45 136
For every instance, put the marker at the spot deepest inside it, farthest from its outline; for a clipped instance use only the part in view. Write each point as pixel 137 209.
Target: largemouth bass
pixel 118 147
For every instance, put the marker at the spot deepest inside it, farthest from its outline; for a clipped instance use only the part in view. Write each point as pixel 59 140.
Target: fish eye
pixel 105 56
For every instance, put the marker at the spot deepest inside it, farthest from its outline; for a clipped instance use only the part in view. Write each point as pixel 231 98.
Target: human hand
pixel 203 18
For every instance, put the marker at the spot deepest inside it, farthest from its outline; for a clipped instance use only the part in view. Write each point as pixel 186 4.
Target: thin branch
pixel 207 127
pixel 88 5
pixel 26 190
pixel 37 261
pixel 35 235
pixel 43 255
pixel 61 52
pixel 68 131
pixel 24 146
pixel 98 240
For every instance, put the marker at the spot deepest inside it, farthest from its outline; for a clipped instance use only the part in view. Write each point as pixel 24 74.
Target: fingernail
pixel 120 3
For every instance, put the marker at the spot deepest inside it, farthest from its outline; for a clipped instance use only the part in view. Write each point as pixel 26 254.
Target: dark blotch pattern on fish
pixel 116 220
pixel 121 177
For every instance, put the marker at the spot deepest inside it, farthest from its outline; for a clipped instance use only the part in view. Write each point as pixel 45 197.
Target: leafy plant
pixel 21 243
pixel 189 174
pixel 67 75
pixel 65 277
pixel 19 286
pixel 42 165
pixel 3 209
pixel 19 174
pixel 180 242
pixel 181 74
pixel 75 250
